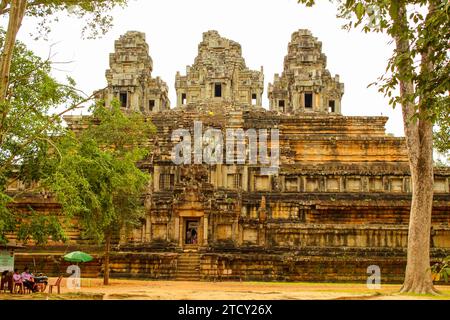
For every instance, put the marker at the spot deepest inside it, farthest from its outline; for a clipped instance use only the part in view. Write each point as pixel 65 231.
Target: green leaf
pixel 359 10
pixel 445 275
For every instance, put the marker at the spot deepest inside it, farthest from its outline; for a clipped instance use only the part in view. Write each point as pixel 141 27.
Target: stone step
pixel 190 270
pixel 189 260
pixel 188 267
pixel 188 274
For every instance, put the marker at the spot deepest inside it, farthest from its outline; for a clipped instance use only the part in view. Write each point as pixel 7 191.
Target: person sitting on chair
pixel 17 278
pixel 28 280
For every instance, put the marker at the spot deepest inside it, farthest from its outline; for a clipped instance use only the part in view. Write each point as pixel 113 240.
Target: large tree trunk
pixel 419 140
pixel 418 275
pixel 16 14
pixel 106 260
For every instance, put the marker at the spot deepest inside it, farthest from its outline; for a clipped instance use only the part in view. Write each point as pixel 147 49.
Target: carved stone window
pixel 218 90
pixel 151 105
pixel 254 98
pixel 281 105
pixel 332 106
pixel 123 97
pixel 166 181
pixel 234 181
pixel 308 100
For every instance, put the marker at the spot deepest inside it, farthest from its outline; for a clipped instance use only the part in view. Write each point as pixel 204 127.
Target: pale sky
pixel 263 28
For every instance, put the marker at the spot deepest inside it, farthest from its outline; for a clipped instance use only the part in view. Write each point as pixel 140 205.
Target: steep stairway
pixel 188 267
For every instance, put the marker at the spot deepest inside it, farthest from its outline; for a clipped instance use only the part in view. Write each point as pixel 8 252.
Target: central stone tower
pixel 219 74
pixel 305 86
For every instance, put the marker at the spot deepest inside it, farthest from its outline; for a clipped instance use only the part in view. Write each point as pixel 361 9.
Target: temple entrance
pixel 191 224
pixel 191 233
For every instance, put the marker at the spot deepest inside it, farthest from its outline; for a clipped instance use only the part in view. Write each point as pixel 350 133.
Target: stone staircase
pixel 188 267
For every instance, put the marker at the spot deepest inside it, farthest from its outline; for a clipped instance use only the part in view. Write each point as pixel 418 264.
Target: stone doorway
pixel 191 235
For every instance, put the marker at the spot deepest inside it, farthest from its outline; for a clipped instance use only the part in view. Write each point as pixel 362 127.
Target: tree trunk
pixel 419 140
pixel 16 14
pixel 418 274
pixel 106 261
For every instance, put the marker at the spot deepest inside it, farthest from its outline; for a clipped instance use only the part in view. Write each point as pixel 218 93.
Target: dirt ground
pixel 178 290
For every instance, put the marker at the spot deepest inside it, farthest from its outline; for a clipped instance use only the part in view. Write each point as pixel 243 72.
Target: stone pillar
pixel 156 174
pixel 205 230
pixel 262 235
pixel 259 98
pixel 228 93
pixel 202 93
pixel 133 101
pixel 158 105
pixel 318 101
pixel 218 176
pixel 224 176
pixel 209 91
pixel 365 184
pixel 342 184
pixel 213 174
pixel 303 184
pixel 148 231
pixel 235 234
pixel 179 100
pixel 296 101
pixel 245 181
pixel 176 235
pixel 109 98
pixel 338 106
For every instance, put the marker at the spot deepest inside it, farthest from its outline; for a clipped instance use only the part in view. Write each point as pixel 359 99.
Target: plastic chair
pixel 57 284
pixel 20 286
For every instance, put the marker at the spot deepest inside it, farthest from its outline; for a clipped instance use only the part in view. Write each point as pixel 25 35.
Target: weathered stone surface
pixel 219 74
pixel 305 86
pixel 130 77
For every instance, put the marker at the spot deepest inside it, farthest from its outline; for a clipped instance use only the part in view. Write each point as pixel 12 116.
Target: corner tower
pixel 130 77
pixel 305 86
pixel 219 73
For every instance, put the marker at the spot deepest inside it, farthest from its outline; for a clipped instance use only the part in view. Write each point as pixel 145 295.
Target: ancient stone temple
pixel 305 84
pixel 219 74
pixel 337 203
pixel 130 79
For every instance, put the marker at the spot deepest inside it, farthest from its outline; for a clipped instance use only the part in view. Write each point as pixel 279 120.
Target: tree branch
pixel 55 117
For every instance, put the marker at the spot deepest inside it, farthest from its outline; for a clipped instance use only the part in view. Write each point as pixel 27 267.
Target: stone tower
pixel 130 77
pixel 305 86
pixel 219 74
